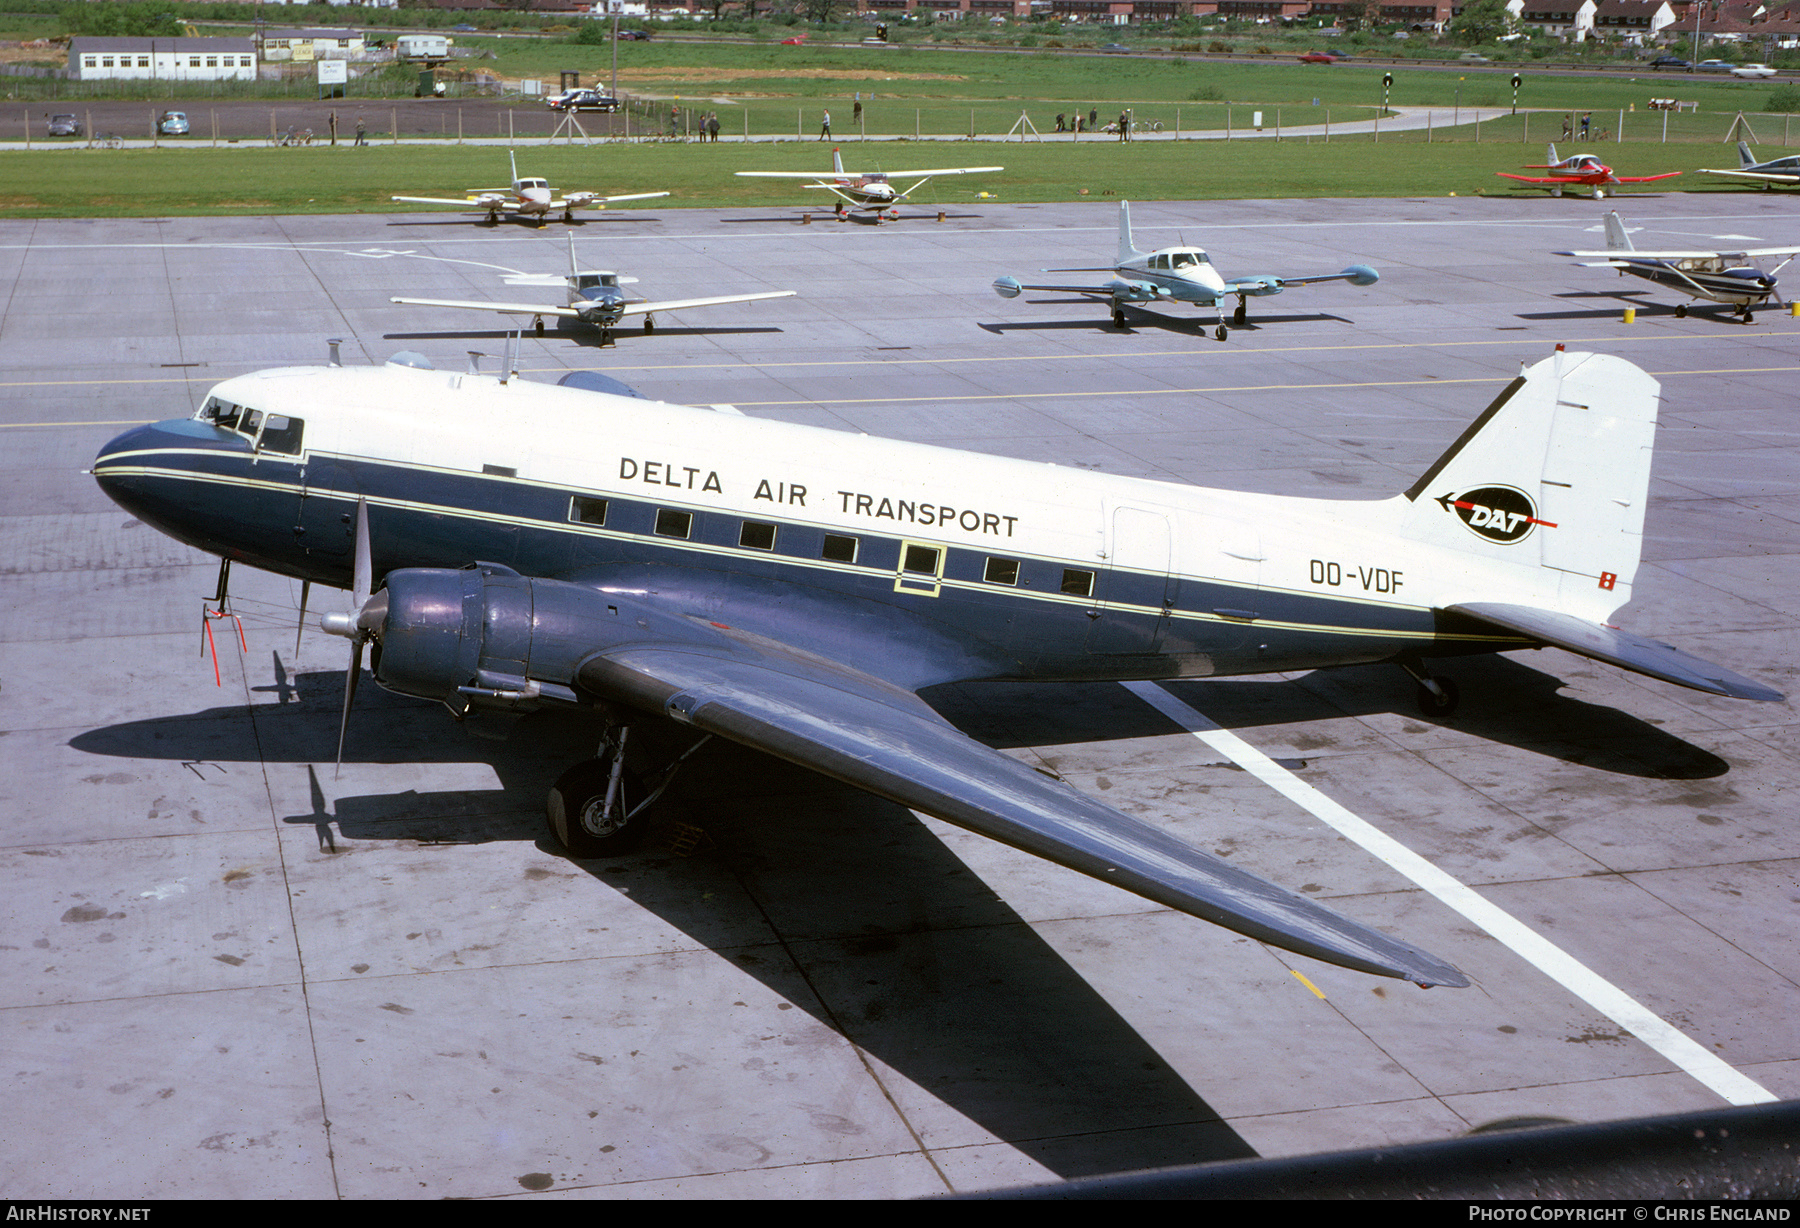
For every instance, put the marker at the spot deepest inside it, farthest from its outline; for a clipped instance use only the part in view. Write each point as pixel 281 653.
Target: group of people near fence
pixel 1078 122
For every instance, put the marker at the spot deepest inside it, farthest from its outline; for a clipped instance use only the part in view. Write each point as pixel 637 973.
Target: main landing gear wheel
pixel 1599 193
pixel 1681 311
pixel 1438 698
pixel 1241 316
pixel 592 815
pixel 537 326
pixel 649 324
pixel 1118 318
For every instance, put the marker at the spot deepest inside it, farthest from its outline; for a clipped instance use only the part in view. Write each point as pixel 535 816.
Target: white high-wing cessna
pixel 1713 275
pixel 528 198
pixel 1783 171
pixel 595 299
pixel 1178 274
pixel 871 189
pixel 792 588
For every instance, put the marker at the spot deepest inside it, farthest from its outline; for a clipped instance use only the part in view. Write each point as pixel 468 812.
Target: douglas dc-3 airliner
pixel 511 546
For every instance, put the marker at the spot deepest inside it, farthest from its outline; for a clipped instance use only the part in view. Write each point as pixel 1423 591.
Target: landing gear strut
pixel 1437 697
pixel 601 806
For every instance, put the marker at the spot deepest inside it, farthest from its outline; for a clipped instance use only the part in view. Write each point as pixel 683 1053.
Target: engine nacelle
pixel 486 636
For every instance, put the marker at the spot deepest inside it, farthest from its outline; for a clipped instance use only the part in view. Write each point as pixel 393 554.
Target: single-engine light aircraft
pixel 595 299
pixel 1717 276
pixel 1783 171
pixel 513 546
pixel 1581 170
pixel 1178 274
pixel 527 198
pixel 870 190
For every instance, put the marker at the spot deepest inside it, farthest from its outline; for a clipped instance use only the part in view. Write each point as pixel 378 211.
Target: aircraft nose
pixel 133 467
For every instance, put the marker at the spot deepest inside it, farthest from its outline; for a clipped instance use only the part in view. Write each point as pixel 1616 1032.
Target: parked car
pixel 1473 57
pixel 63 125
pixel 582 100
pixel 1322 57
pixel 799 40
pixel 173 123
pixel 1114 47
pixel 1671 61
pixel 1753 71
pixel 1713 66
pixel 634 36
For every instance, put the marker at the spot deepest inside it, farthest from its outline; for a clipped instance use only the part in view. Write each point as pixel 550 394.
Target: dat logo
pixel 1497 513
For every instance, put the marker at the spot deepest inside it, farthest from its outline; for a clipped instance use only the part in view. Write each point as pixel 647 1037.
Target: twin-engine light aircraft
pixel 1579 171
pixel 1717 276
pixel 595 299
pixel 527 198
pixel 513 546
pixel 870 190
pixel 1178 274
pixel 1777 172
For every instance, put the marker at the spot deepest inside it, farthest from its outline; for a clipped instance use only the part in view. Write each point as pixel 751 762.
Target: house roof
pixel 181 46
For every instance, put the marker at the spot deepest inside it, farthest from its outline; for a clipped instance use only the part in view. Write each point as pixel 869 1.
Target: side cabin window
pixel 1159 262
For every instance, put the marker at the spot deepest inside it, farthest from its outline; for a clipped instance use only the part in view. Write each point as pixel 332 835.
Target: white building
pixel 162 59
pixel 315 44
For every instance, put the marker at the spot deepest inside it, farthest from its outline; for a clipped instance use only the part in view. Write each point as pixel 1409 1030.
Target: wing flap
pixel 1621 648
pixel 856 729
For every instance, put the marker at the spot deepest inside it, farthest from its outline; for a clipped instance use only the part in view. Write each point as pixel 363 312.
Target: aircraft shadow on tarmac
pixel 1136 320
pixel 1620 299
pixel 879 931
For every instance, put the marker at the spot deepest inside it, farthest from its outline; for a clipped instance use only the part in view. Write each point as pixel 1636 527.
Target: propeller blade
pixel 305 592
pixel 364 574
pixel 356 647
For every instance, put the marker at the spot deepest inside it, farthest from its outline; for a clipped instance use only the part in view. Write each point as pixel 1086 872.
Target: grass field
pixel 320 179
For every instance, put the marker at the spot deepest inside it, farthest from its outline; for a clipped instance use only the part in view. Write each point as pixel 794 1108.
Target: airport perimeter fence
pixel 678 119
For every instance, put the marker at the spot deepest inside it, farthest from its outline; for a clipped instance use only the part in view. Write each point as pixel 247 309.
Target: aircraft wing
pixel 1620 648
pixel 1010 287
pixel 788 175
pixel 1746 253
pixel 592 200
pixel 1359 274
pixel 948 170
pixel 1771 176
pixel 1564 180
pixel 1644 178
pixel 513 309
pixel 638 309
pixel 858 729
pixel 467 202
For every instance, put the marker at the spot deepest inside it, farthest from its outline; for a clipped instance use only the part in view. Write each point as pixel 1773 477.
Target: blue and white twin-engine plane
pixel 1178 274
pixel 512 546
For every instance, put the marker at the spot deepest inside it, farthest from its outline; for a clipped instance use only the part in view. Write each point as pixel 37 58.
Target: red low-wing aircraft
pixel 1581 171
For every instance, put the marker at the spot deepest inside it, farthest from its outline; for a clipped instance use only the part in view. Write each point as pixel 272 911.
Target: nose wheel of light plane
pixel 537 325
pixel 1221 332
pixel 649 323
pixel 1599 193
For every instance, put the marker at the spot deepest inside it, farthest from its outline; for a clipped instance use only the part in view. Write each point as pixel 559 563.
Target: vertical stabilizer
pixel 1550 154
pixel 837 160
pixel 1126 250
pixel 513 158
pixel 1616 238
pixel 1553 475
pixel 1744 159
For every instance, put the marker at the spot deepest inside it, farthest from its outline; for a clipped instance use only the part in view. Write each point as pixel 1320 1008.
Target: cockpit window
pixel 281 434
pixel 1188 260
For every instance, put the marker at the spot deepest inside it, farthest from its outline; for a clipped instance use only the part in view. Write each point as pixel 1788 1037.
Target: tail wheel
pixel 586 821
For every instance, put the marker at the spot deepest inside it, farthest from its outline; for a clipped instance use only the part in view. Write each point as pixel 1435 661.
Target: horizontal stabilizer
pixel 854 728
pixel 1620 648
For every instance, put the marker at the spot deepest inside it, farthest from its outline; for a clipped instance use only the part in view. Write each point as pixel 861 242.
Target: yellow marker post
pixel 1631 315
pixel 1794 309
